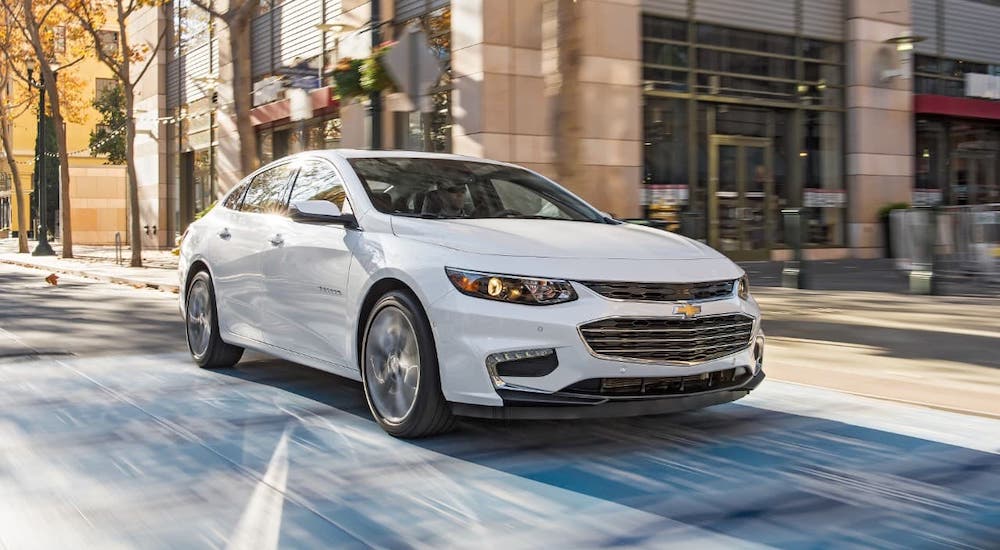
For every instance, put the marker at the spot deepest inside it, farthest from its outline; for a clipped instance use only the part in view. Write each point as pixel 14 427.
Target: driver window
pixel 318 180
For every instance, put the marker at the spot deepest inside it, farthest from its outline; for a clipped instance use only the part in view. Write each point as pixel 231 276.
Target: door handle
pixel 277 240
pixel 225 234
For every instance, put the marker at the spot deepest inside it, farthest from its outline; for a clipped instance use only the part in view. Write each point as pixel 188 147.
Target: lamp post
pixel 43 248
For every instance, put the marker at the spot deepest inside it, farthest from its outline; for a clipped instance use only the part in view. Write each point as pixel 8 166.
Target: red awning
pixel 323 102
pixel 962 107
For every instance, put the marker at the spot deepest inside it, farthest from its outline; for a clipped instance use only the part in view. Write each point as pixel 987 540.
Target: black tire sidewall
pixel 429 386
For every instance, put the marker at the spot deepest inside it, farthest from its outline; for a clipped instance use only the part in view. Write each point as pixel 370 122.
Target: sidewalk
pixel 98 262
pixel 856 330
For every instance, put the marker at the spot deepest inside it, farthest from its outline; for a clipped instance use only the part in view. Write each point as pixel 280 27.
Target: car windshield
pixel 444 188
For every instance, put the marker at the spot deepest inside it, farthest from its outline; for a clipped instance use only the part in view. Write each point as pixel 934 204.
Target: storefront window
pixel 666 140
pixel 824 196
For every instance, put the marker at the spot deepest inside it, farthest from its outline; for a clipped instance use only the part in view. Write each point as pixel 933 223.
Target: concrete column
pixel 880 132
pixel 499 104
pixel 150 142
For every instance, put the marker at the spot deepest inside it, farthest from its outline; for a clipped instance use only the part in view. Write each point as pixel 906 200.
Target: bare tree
pixel 237 16
pixel 128 59
pixel 33 20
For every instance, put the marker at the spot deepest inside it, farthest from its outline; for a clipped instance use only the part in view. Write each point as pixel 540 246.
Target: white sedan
pixel 457 286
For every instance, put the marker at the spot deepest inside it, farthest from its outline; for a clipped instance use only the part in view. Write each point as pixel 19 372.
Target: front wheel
pixel 400 370
pixel 201 323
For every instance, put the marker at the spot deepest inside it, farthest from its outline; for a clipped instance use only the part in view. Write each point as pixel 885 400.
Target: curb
pixel 137 283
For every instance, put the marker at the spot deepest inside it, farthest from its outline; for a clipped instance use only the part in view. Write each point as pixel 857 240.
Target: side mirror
pixel 320 211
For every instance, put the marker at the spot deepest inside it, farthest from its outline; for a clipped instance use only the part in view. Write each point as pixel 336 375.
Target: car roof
pixel 365 153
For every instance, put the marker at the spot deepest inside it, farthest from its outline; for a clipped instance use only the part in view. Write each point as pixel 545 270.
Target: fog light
pixel 758 354
pixel 530 363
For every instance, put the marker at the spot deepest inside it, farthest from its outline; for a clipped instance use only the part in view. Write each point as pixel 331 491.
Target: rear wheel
pixel 400 369
pixel 202 326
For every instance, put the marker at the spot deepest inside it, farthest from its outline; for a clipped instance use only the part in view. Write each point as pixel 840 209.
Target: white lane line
pixel 951 428
pixel 260 525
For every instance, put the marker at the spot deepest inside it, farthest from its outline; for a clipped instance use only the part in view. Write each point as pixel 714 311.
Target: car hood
pixel 552 239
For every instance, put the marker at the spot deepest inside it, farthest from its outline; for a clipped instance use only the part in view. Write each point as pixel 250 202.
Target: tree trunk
pixel 65 208
pixel 135 233
pixel 239 47
pixel 22 213
pixel 563 45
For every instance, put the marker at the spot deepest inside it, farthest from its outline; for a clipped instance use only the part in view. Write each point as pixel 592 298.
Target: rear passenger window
pixel 268 190
pixel 233 200
pixel 319 181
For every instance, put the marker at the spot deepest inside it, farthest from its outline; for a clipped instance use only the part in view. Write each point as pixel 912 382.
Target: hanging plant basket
pixel 347 78
pixel 374 76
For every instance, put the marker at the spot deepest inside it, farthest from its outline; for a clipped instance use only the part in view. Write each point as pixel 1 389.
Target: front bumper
pixel 520 405
pixel 467 330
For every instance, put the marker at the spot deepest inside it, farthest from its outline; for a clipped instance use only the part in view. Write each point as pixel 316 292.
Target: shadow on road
pixel 746 472
pixel 113 319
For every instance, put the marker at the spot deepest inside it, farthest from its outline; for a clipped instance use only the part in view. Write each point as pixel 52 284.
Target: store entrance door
pixel 974 178
pixel 740 196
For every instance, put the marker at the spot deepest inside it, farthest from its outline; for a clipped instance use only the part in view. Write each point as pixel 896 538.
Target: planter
pixel 347 78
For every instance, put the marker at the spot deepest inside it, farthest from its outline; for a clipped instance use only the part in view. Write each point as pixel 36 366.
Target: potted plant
pixel 374 75
pixel 885 217
pixel 347 77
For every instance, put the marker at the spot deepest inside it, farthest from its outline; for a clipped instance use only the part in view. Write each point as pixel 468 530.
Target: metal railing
pixel 950 241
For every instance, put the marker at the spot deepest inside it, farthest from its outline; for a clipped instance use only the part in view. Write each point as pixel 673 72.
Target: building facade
pixel 711 116
pixel 97 189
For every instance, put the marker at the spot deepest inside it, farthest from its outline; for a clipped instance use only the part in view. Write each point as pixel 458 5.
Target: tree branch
pixel 152 55
pixel 207 6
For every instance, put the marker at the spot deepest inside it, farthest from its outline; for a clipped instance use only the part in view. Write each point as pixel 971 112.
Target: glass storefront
pixel 957 162
pixel 739 125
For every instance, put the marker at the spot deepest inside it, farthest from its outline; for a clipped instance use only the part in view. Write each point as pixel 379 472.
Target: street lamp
pixel 43 248
pixel 338 29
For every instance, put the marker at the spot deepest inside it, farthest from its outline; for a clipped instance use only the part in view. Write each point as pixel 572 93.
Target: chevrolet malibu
pixel 452 286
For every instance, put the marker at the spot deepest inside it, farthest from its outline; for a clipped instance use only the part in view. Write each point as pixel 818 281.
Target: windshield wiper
pixel 424 215
pixel 540 217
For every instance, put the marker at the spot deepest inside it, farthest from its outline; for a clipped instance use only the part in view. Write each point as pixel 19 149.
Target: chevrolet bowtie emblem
pixel 687 310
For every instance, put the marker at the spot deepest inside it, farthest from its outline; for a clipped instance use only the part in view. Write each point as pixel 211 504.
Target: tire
pixel 405 398
pixel 201 326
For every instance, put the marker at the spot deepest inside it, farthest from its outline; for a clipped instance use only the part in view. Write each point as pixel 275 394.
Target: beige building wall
pixel 500 109
pixel 880 144
pixel 150 142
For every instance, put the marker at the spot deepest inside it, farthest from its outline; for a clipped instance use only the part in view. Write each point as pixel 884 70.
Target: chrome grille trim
pixel 663 292
pixel 667 339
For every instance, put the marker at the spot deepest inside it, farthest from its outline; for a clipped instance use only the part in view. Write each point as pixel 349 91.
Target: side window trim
pixel 241 191
pixel 333 168
pixel 293 171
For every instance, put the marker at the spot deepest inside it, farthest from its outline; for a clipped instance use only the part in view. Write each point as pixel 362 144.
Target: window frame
pixel 293 171
pixel 300 164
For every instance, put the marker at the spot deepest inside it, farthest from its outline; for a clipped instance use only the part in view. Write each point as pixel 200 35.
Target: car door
pixel 306 277
pixel 253 236
pixel 225 250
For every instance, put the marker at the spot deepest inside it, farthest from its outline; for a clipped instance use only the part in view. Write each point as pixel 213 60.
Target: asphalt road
pixel 110 437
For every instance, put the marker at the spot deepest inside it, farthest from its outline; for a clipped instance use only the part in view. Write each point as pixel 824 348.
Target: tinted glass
pixel 746 40
pixel 234 198
pixel 317 180
pixel 267 191
pixel 658 27
pixel 444 188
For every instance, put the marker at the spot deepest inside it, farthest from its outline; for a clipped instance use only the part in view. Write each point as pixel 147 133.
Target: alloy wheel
pixel 199 318
pixel 392 364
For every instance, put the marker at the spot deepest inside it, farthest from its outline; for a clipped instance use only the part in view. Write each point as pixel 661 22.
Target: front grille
pixel 662 292
pixel 663 385
pixel 668 340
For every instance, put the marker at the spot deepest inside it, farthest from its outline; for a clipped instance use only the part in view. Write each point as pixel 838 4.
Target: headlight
pixel 516 290
pixel 744 287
